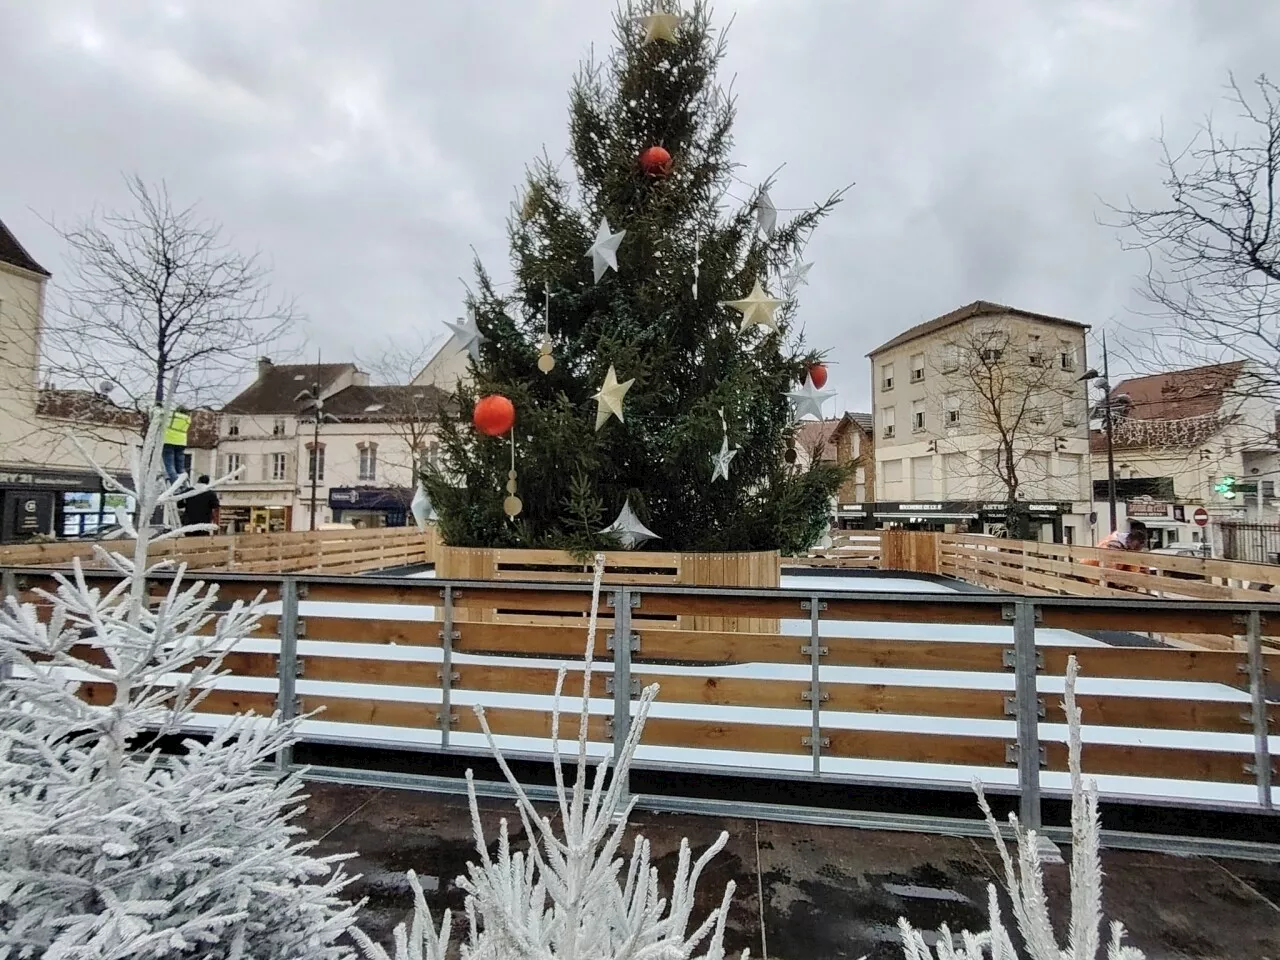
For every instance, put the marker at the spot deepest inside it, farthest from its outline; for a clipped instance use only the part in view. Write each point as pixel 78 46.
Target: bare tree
pixel 1005 399
pixel 1214 247
pixel 409 411
pixel 155 295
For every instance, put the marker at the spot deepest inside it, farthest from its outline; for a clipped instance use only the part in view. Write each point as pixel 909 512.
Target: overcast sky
pixel 365 147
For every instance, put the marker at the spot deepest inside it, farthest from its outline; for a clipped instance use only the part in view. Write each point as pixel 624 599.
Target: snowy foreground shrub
pixel 110 850
pixel 570 895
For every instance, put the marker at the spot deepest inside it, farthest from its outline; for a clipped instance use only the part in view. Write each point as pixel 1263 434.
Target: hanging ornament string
pixel 546 362
pixel 697 263
pixel 512 505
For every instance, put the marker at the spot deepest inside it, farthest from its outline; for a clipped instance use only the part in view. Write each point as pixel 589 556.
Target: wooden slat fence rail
pixel 733 699
pixel 327 551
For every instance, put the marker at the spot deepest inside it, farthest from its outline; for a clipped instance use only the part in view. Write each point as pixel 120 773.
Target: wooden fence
pixel 813 724
pixel 329 551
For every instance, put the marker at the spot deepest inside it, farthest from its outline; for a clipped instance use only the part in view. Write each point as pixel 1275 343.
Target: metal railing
pixel 690 632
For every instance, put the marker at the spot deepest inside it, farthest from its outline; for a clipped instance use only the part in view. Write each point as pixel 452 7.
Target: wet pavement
pixel 813 893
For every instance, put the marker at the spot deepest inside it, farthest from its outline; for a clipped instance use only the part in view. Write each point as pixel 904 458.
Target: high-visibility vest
pixel 176 432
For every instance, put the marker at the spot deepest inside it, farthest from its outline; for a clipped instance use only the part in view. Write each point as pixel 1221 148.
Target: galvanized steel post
pixel 1027 703
pixel 447 636
pixel 621 640
pixel 1258 696
pixel 287 694
pixel 815 683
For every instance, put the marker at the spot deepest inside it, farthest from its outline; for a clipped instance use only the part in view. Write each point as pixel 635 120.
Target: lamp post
pixel 1107 421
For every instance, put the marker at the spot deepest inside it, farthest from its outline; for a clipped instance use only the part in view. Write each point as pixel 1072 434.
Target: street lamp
pixel 1104 384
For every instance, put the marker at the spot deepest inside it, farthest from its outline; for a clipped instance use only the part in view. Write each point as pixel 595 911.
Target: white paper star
pixel 631 532
pixel 660 26
pixel 766 213
pixel 604 252
pixel 420 507
pixel 799 274
pixel 720 461
pixel 808 400
pixel 468 334
pixel 757 308
pixel 610 398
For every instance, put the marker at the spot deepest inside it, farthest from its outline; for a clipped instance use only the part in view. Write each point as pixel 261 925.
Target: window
pixel 1035 352
pixel 1268 489
pixel 1035 410
pixel 886 377
pixel 233 426
pixel 952 403
pixel 277 427
pixel 992 346
pixel 950 357
pixel 1071 411
pixel 1067 355
pixel 368 460
pixel 235 461
pixel 886 422
pixel 917 416
pixel 279 466
pixel 917 368
pixel 315 462
pixel 187 465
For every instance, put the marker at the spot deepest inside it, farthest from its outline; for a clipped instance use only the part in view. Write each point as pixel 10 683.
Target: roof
pixel 811 433
pixel 85 406
pixel 374 404
pixel 15 254
pixel 979 308
pixel 1186 404
pixel 278 385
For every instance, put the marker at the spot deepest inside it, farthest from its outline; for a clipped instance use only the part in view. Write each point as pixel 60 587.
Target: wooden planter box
pixel 633 568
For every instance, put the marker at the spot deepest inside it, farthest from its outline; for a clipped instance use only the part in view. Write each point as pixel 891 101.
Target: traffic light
pixel 1226 488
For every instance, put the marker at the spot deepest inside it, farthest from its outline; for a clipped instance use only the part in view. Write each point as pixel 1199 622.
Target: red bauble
pixel 819 374
pixel 656 162
pixel 494 415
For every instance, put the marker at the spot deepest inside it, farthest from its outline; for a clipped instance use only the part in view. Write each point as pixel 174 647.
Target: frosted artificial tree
pixel 1024 881
pixel 569 895
pixel 109 849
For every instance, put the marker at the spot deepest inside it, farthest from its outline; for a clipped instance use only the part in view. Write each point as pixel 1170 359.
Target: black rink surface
pixel 813 893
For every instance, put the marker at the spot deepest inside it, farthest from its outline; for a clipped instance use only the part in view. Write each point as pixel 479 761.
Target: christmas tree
pixel 648 347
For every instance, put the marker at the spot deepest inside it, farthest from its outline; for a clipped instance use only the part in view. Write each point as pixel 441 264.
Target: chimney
pixel 264 366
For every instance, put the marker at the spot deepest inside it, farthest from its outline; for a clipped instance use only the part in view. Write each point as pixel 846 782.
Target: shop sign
pixel 1148 508
pixel 368 498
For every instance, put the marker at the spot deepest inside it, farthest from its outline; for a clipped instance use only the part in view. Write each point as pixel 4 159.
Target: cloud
pixel 366 148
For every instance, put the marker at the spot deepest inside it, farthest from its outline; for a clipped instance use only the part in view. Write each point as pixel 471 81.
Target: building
pixel 1179 435
pixel 976 409
pixel 356 464
pixel 47 489
pixel 850 439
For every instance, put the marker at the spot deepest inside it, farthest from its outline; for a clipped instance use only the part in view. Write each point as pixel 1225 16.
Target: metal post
pixel 447 636
pixel 621 640
pixel 9 584
pixel 815 685
pixel 1109 421
pixel 1027 707
pixel 1258 694
pixel 287 695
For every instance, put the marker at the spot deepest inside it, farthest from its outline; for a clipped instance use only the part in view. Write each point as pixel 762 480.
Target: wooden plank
pixel 915 701
pixel 1168 763
pixel 405 673
pixel 356 590
pixel 1150 663
pixel 724 604
pixel 1222 716
pixel 223 702
pixel 915 654
pixel 529 639
pixel 715 735
pixel 914 747
pixel 1189 619
pixel 719 647
pixel 920 609
pixel 515 599
pixel 503 721
pixel 408 633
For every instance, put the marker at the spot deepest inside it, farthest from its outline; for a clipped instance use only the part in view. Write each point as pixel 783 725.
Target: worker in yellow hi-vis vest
pixel 173 453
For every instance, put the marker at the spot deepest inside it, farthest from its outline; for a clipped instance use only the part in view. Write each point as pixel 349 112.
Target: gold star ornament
pixel 660 26
pixel 757 308
pixel 610 398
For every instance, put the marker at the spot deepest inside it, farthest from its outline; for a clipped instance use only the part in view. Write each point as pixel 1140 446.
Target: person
pixel 1133 540
pixel 174 451
pixel 200 507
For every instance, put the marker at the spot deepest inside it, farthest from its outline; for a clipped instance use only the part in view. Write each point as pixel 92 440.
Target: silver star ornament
pixel 628 528
pixel 467 332
pixel 808 400
pixel 604 252
pixel 720 461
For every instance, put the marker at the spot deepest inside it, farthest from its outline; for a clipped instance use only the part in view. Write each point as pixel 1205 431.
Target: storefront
pixel 370 506
pixel 1167 523
pixel 253 512
pixel 57 504
pixel 953 516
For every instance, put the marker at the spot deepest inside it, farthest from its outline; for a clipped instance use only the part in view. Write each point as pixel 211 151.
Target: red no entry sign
pixel 1201 516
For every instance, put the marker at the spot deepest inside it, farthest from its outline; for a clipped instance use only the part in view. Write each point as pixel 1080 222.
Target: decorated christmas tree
pixel 641 378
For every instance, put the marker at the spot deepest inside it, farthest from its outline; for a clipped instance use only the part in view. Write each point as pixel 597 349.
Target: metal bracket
pixel 807 696
pixel 1011 755
pixel 807 605
pixel 1010 659
pixel 633 599
pixel 451 720
pixel 297 706
pixel 635 686
pixel 635 642
pixel 453 635
pixel 302 592
pixel 454 676
pixel 1011 706
pixel 301 629
pixel 822 741
pixel 301 669
pixel 807 650
pixel 1009 611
